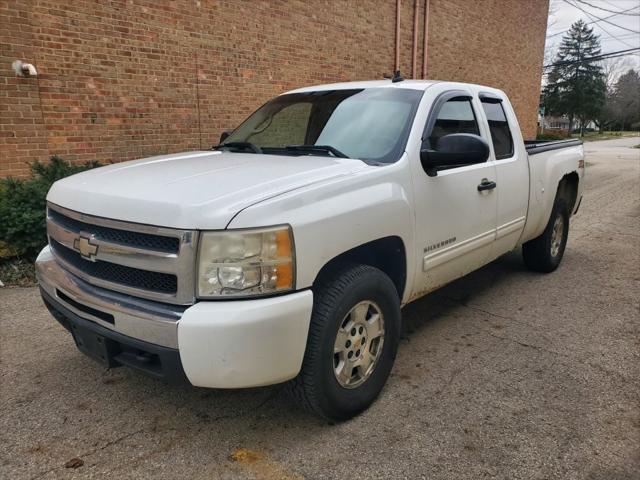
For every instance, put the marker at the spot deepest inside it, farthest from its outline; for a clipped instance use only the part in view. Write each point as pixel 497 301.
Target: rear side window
pixel 455 116
pixel 499 128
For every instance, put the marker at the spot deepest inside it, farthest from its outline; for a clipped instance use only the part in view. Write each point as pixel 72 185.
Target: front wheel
pixel 544 253
pixel 352 342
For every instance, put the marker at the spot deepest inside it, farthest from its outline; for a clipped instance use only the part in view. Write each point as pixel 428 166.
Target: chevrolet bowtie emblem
pixel 87 249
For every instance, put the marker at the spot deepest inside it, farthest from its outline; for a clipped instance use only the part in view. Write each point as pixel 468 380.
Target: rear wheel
pixel 352 342
pixel 544 253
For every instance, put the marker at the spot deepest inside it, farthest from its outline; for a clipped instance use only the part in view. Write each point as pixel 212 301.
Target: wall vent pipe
pixel 426 39
pixel 397 60
pixel 414 56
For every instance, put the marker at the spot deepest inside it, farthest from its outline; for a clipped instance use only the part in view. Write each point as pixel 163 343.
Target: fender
pixel 338 215
pixel 546 173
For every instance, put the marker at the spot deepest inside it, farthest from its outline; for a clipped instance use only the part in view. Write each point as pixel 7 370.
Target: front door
pixel 455 220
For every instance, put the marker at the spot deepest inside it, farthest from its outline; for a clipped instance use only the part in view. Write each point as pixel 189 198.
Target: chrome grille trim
pixel 180 264
pixel 142 280
pixel 142 319
pixel 141 240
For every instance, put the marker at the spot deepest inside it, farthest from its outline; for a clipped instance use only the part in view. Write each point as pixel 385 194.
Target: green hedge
pixel 550 136
pixel 22 207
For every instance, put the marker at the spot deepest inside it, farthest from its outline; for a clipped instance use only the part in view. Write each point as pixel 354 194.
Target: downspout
pixel 414 64
pixel 397 62
pixel 426 39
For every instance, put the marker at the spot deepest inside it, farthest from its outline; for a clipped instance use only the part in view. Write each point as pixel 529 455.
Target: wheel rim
pixel 358 344
pixel 556 235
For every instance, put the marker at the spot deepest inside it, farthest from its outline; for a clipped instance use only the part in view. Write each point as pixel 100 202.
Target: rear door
pixel 512 169
pixel 455 222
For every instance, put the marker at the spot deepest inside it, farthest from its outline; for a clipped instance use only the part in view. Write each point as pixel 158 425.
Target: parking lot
pixel 503 374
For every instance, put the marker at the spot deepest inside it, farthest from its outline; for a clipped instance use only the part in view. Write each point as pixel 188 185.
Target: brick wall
pixel 126 79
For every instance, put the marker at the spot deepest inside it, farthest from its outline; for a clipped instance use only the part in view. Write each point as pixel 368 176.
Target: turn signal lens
pixel 284 275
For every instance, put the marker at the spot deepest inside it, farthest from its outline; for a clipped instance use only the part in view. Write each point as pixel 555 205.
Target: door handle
pixel 486 185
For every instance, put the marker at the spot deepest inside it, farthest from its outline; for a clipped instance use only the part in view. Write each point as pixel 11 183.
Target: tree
pixel 625 100
pixel 610 69
pixel 576 86
pixel 606 116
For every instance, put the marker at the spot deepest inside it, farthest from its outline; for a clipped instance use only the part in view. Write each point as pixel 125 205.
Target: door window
pixel 455 116
pixel 499 128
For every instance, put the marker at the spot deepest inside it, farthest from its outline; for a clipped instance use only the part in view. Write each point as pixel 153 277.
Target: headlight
pixel 238 263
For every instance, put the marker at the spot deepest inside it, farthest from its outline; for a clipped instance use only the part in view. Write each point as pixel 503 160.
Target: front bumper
pixel 218 344
pixel 113 349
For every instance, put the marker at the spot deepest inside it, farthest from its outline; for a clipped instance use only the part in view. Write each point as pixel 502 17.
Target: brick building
pixel 122 79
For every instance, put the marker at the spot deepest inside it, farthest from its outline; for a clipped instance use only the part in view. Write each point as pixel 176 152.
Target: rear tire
pixel 352 343
pixel 544 253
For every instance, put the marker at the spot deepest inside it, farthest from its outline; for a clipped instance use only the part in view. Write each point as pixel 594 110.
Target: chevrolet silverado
pixel 286 252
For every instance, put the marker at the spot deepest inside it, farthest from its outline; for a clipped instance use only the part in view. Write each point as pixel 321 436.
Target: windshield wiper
pixel 317 149
pixel 240 146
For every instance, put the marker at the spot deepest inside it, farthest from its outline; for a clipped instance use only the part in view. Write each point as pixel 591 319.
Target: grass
pixel 596 136
pixel 17 272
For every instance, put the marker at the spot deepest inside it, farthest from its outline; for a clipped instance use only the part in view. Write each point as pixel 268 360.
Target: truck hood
pixel 195 190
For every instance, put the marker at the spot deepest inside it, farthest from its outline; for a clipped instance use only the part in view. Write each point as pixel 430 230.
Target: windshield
pixel 368 124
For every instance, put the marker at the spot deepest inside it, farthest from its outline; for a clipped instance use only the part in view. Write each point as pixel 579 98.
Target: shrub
pixel 550 136
pixel 17 272
pixel 22 206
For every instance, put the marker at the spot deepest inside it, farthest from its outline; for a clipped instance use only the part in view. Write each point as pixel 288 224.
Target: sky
pixel 617 32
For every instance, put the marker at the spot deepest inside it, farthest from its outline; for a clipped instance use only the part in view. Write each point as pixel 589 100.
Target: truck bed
pixel 538 146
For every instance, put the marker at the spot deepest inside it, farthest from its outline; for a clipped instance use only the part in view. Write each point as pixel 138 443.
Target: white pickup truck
pixel 286 253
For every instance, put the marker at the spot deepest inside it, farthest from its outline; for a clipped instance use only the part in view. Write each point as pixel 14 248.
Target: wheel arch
pixel 568 190
pixel 387 254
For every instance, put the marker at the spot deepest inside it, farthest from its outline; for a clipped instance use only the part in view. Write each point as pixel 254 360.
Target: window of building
pixel 499 128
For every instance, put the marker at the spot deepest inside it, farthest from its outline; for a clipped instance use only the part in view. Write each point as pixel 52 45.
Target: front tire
pixel 544 253
pixel 352 343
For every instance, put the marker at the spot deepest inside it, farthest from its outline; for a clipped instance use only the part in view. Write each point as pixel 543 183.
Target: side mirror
pixel 454 150
pixel 224 135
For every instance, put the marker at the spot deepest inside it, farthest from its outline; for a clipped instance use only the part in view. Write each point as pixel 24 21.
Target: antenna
pixel 397 77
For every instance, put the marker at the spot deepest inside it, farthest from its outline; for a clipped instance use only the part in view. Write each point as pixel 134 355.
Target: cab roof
pixel 408 84
pixel 411 84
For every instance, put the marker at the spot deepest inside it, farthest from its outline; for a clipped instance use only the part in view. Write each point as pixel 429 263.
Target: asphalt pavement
pixel 502 374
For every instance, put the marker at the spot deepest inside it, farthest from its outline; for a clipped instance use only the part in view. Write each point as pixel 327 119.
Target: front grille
pixel 145 261
pixel 141 240
pixel 120 274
